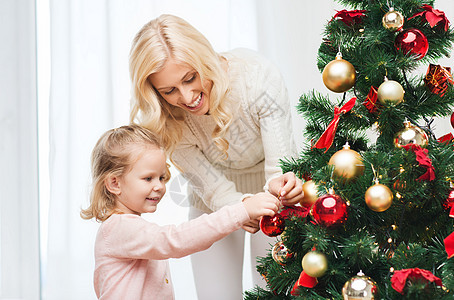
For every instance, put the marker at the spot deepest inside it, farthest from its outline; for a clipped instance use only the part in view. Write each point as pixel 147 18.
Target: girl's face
pixel 141 189
pixel 180 85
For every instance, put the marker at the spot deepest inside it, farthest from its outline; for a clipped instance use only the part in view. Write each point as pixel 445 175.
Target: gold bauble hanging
pixel 314 264
pixel 360 287
pixel 378 197
pixel 310 193
pixel 393 20
pixel 411 135
pixel 390 92
pixel 339 75
pixel 347 163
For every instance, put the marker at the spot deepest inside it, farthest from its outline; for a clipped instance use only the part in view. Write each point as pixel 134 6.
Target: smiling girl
pixel 129 173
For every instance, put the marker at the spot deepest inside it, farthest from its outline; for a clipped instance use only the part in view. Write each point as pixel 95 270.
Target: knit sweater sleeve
pixel 131 236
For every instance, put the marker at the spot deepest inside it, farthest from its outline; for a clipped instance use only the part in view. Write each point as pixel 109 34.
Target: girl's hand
pixel 287 187
pixel 257 206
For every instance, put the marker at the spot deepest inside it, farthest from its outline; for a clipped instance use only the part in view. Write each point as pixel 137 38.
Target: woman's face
pixel 180 85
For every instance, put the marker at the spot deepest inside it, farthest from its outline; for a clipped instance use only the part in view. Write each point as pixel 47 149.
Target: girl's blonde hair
pixel 167 37
pixel 114 154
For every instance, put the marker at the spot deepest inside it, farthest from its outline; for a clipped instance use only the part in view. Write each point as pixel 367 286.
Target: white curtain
pixel 90 86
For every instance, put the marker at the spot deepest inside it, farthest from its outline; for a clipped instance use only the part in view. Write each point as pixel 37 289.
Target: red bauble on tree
pixel 272 226
pixel 329 210
pixel 452 120
pixel 412 41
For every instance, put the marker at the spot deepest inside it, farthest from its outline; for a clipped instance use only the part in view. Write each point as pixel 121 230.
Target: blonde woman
pixel 225 120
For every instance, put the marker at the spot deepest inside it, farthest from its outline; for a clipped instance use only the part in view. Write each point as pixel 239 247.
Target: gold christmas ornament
pixel 348 163
pixel 339 75
pixel 390 92
pixel 314 264
pixel 378 197
pixel 411 135
pixel 280 253
pixel 360 287
pixel 393 20
pixel 310 193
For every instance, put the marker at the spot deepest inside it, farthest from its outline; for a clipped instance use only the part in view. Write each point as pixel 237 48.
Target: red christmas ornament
pixel 412 41
pixel 371 100
pixel 272 226
pixel 452 120
pixel 438 79
pixel 329 210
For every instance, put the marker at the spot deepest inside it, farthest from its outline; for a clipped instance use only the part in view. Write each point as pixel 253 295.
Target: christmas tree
pixel 377 216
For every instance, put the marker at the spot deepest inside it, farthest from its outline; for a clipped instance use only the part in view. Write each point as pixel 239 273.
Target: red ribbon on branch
pixel 449 245
pixel 433 16
pixel 423 159
pixel 400 278
pixel 304 280
pixel 327 138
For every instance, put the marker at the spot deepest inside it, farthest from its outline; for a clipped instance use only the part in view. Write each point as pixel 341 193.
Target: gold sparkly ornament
pixel 339 75
pixel 390 92
pixel 360 287
pixel 378 197
pixel 280 253
pixel 393 20
pixel 411 135
pixel 310 193
pixel 347 163
pixel 314 264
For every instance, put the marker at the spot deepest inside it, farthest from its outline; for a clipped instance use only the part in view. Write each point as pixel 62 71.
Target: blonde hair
pixel 167 37
pixel 114 154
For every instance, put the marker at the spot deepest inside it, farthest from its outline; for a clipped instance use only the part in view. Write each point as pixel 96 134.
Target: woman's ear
pixel 112 183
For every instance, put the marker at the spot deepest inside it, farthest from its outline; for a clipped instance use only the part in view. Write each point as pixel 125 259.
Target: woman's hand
pixel 287 187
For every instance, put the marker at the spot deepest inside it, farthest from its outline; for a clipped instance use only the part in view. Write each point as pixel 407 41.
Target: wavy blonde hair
pixel 113 155
pixel 167 37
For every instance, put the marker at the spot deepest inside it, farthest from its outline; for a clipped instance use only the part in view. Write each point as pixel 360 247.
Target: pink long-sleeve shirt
pixel 131 253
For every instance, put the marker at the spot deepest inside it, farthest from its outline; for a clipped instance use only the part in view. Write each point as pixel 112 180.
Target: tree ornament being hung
pixel 393 20
pixel 390 92
pixel 339 75
pixel 360 287
pixel 272 226
pixel 348 164
pixel 411 134
pixel 413 42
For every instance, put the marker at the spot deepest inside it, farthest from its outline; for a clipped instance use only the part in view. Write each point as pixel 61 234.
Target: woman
pixel 225 120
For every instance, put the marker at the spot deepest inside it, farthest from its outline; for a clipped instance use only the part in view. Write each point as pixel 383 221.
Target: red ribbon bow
pixel 327 138
pixel 423 159
pixel 449 245
pixel 400 277
pixel 433 16
pixel 304 280
pixel 350 17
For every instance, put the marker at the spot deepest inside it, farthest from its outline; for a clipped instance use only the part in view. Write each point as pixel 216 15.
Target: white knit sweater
pixel 260 135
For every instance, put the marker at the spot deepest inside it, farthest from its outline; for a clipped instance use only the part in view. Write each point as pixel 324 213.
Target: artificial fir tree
pixel 375 220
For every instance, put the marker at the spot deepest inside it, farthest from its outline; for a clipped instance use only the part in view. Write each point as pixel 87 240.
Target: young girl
pixel 225 118
pixel 129 172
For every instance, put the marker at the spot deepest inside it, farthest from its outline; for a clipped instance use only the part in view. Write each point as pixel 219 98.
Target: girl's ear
pixel 113 184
